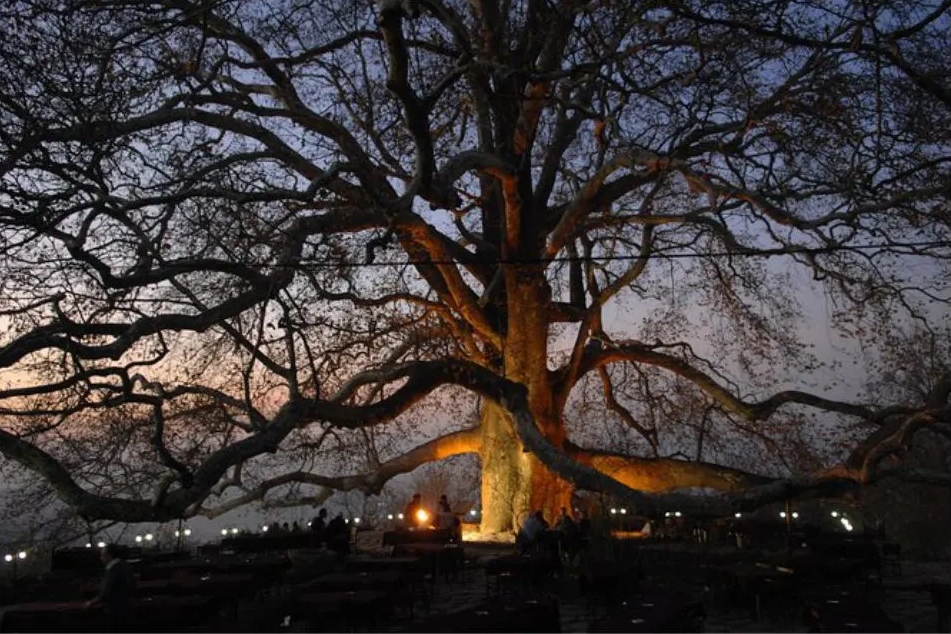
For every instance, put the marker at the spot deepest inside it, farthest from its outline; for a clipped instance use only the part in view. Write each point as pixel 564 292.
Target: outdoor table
pixel 342 581
pixel 520 568
pixel 159 613
pixel 668 612
pixel 247 544
pixel 513 615
pixel 845 612
pixel 758 579
pixel 447 559
pixel 608 582
pixel 349 606
pixel 377 564
pixel 403 536
pixel 262 566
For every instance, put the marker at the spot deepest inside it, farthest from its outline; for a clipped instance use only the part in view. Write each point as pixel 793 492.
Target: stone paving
pixel 912 608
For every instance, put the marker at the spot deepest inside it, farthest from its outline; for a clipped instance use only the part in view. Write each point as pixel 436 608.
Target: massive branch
pixel 454 444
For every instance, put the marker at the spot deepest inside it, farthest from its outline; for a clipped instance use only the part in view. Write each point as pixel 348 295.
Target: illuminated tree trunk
pixel 514 482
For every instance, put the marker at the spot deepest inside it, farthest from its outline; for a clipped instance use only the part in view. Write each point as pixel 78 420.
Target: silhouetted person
pixel 319 523
pixel 118 586
pixel 409 513
pixel 529 535
pixel 584 529
pixel 285 528
pixel 338 535
pixel 295 528
pixel 569 536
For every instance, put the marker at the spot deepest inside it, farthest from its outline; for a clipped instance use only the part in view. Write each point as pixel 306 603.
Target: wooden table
pixel 510 615
pixel 654 612
pixel 403 536
pixel 845 612
pixel 149 614
pixel 338 609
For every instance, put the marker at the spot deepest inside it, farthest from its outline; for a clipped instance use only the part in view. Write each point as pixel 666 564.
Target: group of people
pixel 334 533
pixel 566 539
pixel 443 518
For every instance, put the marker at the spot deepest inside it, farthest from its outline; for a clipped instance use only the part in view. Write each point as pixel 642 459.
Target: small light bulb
pixel 138 539
pixel 8 557
pixel 737 515
pixel 188 532
pixel 101 544
pixel 22 554
pixel 390 516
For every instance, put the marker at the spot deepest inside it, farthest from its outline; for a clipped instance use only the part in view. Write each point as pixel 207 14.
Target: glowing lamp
pixel 667 514
pixel 737 515
pixel 265 527
pixel 677 513
pixel 835 513
pixel 795 515
pixel 390 516
pixel 400 516
pixel 356 520
pixel 188 532
pixel 782 514
pixel 88 545
pixel 473 512
pixel 224 531
pixel 234 531
pixel 138 539
pixel 623 511
pixel 422 516
pixel 148 537
pixel 22 554
pixel 8 558
pixel 101 544
pixel 613 511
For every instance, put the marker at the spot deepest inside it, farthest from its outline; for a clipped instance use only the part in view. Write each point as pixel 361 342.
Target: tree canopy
pixel 240 239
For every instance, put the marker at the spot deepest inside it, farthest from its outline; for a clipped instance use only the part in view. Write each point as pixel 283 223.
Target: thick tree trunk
pixel 515 482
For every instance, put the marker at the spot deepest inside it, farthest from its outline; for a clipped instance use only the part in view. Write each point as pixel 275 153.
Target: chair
pixel 891 557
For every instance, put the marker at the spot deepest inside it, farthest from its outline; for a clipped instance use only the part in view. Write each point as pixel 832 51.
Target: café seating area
pixel 640 586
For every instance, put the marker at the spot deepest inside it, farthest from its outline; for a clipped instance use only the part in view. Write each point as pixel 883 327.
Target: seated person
pixel 532 529
pixel 446 519
pixel 118 586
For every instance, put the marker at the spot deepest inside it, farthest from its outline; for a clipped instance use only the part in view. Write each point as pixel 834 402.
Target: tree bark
pixel 515 482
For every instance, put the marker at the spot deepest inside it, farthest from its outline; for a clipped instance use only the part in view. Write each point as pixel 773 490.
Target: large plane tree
pixel 238 233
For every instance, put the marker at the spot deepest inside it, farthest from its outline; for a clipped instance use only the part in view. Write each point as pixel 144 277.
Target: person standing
pixel 118 586
pixel 410 518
